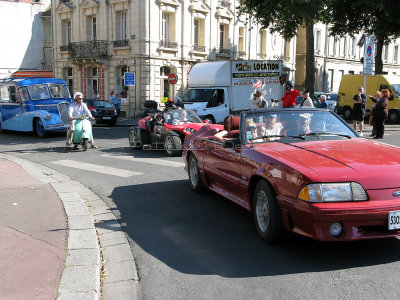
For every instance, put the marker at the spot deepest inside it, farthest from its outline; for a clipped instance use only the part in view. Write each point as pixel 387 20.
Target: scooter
pixel 83 133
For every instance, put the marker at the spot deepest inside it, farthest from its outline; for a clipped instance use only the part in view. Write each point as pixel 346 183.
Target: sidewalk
pixel 49 245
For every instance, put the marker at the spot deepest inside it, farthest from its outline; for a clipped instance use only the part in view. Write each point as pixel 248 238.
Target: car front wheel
pixel 194 175
pixel 39 129
pixel 173 145
pixel 134 140
pixel 267 214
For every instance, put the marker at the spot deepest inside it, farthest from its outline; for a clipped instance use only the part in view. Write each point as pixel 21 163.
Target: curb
pixel 99 259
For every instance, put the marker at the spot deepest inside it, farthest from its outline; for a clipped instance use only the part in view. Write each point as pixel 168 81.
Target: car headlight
pixel 47 117
pixel 333 192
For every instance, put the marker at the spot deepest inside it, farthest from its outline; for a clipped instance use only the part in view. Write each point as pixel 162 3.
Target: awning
pixel 32 73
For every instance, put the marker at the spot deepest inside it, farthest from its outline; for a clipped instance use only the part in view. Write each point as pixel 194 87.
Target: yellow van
pixel 350 83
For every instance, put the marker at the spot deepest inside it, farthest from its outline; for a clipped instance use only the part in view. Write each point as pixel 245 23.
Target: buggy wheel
pixel 134 140
pixel 173 145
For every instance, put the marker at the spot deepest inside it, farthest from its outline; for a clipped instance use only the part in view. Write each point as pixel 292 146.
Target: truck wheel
pixel 347 111
pixel 210 119
pixel 393 117
pixel 173 145
pixel 39 128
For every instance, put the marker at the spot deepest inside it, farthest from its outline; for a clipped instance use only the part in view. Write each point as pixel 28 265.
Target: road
pixel 191 246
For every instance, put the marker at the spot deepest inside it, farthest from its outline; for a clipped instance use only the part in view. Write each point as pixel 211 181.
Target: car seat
pixel 233 126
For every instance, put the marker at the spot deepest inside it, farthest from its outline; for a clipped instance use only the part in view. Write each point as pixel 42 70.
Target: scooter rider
pixel 76 110
pixel 289 99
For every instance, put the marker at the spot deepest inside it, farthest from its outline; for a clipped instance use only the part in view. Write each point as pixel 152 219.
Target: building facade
pixel 96 42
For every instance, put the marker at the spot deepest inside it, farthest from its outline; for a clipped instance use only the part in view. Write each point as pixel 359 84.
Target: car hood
pixel 374 165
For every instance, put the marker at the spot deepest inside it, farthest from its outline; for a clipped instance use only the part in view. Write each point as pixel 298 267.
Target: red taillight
pixel 93 109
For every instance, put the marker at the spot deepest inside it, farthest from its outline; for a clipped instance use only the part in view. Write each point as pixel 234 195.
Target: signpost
pixel 369 50
pixel 173 79
pixel 129 80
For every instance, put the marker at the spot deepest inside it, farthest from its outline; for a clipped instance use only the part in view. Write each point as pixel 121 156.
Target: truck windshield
pixel 59 91
pixel 396 88
pixel 198 95
pixel 39 91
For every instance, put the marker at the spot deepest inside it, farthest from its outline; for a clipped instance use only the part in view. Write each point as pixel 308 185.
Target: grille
pixel 63 109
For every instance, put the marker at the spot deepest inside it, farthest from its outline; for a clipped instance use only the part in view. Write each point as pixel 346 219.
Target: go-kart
pixel 166 130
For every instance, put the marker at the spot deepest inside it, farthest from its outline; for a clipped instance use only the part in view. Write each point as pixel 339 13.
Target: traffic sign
pixel 129 79
pixel 368 54
pixel 172 78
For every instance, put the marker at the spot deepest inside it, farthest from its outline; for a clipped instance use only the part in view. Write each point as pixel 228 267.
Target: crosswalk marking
pixel 154 161
pixel 96 168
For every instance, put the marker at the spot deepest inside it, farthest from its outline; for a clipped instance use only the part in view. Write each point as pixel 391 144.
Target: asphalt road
pixel 191 246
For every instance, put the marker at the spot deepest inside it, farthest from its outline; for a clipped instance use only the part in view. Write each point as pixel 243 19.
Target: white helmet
pixel 76 94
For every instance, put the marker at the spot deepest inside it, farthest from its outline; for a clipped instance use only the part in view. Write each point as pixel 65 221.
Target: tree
pixel 378 17
pixel 285 17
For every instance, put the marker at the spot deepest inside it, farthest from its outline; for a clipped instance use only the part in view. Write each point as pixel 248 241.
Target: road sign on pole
pixel 172 78
pixel 129 79
pixel 369 49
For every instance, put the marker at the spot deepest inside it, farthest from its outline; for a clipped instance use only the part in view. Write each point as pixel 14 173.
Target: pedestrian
pixel 112 97
pixel 116 102
pixel 374 99
pixel 322 102
pixel 307 102
pixel 95 94
pixel 259 101
pixel 359 101
pixel 289 99
pixel 380 113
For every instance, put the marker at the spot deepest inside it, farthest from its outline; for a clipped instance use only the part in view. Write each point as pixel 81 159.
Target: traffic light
pixel 282 79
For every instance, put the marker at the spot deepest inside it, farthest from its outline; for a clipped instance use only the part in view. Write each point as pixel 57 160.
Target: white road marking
pixel 153 161
pixel 96 168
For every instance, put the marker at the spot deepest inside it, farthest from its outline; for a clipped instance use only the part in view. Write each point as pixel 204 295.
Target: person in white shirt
pixel 259 101
pixel 270 129
pixel 307 102
pixel 76 110
pixel 112 97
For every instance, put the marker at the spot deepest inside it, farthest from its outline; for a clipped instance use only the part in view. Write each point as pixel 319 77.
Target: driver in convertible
pixel 76 110
pixel 181 119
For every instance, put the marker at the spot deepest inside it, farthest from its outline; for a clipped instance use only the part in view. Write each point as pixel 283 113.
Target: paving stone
pixel 73 196
pixel 118 253
pixel 99 210
pixel 83 257
pixel 80 279
pixel 123 290
pixel 104 217
pixel 82 239
pixel 119 271
pixel 79 296
pixel 76 209
pixel 80 222
pixel 113 238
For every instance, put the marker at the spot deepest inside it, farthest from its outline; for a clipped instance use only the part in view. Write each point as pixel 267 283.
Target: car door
pixel 222 166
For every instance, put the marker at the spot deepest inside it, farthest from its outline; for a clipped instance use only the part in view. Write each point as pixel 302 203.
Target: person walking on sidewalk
pixel 116 102
pixel 374 100
pixel 289 99
pixel 359 101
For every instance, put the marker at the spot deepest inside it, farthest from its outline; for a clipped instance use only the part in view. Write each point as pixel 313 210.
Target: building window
pixel 286 50
pixel 262 44
pixel 223 38
pixel 121 26
pixel 317 41
pixel 70 79
pixel 66 32
pixel 396 54
pixel 342 47
pixel 92 29
pixel 329 85
pixel 331 46
pixel 241 40
pixel 385 53
pixel 198 35
pixel 196 32
pixel 166 27
pixel 353 47
pixel 166 88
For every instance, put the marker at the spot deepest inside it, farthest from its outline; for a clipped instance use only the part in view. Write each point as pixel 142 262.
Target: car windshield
pixel 59 91
pixel 104 104
pixel 181 116
pixel 198 95
pixel 396 88
pixel 39 91
pixel 293 124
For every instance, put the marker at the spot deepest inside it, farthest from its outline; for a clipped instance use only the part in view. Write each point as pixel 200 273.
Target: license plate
pixel 394 219
pixel 107 118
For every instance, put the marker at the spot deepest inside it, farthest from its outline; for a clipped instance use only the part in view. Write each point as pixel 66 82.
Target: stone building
pixel 96 42
pixel 25 32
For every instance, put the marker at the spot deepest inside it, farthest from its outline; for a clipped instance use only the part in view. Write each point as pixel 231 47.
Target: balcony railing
pixel 198 48
pixel 241 53
pixel 88 49
pixel 168 44
pixel 121 43
pixel 223 51
pixel 64 48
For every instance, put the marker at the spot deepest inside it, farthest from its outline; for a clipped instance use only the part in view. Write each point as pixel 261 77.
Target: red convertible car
pixel 300 170
pixel 166 130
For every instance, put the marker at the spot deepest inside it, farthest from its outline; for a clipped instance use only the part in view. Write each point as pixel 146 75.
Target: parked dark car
pixel 103 111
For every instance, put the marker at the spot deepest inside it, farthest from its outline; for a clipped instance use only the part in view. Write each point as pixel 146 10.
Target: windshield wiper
pixel 326 133
pixel 279 136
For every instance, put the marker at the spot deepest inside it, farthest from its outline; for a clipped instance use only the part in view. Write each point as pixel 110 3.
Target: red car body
pixel 288 165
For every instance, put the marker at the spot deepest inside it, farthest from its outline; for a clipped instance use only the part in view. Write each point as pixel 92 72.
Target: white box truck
pixel 219 88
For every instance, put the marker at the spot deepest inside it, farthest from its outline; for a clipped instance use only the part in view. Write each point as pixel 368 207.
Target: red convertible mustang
pixel 165 130
pixel 300 170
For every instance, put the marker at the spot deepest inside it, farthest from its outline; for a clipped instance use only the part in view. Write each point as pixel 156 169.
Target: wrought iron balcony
pixel 198 48
pixel 168 44
pixel 65 1
pixel 225 3
pixel 88 49
pixel 241 53
pixel 223 51
pixel 121 43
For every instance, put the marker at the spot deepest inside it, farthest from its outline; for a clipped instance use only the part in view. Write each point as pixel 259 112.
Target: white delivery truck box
pixel 217 89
